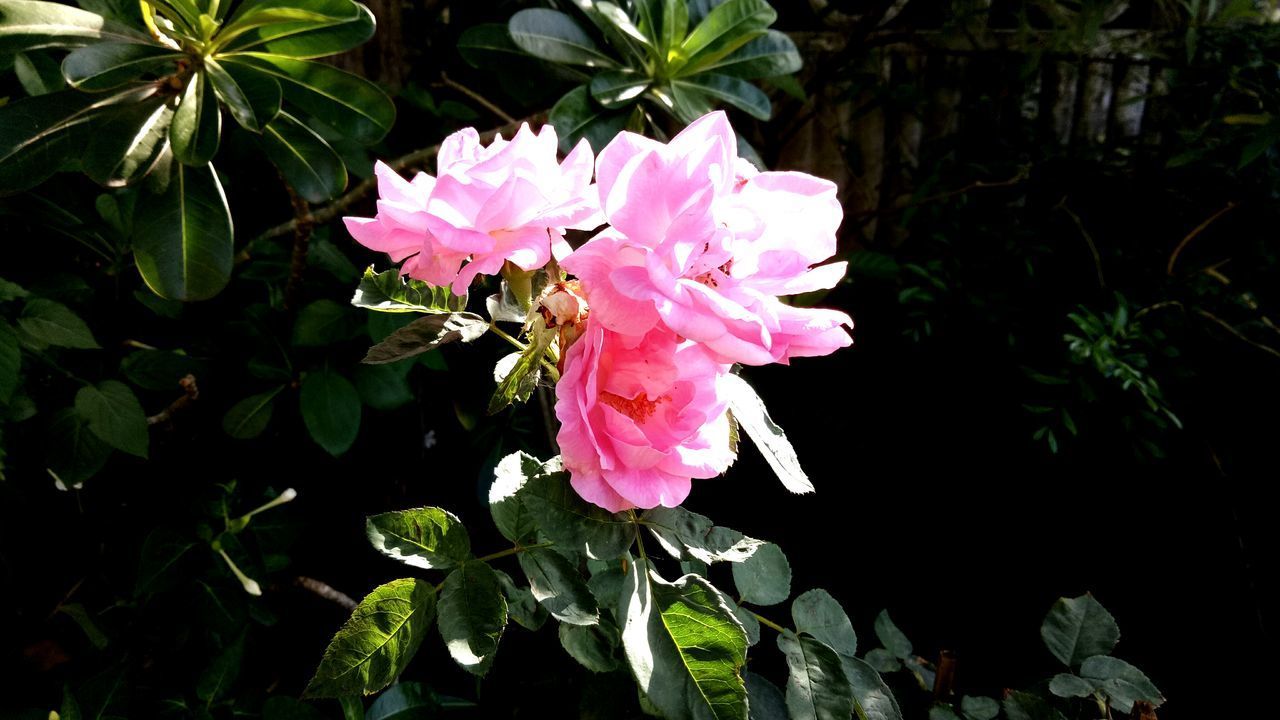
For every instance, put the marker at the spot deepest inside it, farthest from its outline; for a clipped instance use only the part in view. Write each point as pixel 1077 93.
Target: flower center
pixel 639 408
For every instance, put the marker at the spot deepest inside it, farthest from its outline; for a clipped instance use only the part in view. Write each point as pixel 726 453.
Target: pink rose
pixel 640 417
pixel 510 200
pixel 704 244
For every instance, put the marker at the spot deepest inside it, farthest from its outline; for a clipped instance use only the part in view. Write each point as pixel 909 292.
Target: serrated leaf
pixel 377 642
pixel 891 637
pixel 473 614
pixel 389 291
pixel 1067 685
pixel 571 521
pixel 556 584
pixel 749 410
pixel 425 334
pixel 765 577
pixel 872 698
pixel 509 513
pixel 687 535
pixel 1027 706
pixel 817 688
pixel 977 707
pixel 523 377
pixel 590 646
pixel 1122 683
pixel 1079 628
pixel 115 416
pixel 521 606
pixel 818 614
pixel 429 537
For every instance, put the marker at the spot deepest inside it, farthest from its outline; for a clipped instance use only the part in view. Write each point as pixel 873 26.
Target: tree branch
pixel 191 393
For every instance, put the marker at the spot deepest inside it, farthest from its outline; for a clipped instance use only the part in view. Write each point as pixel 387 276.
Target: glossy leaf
pixel 389 291
pixel 569 520
pixel 377 642
pixel 330 410
pixel 1079 628
pixel 817 688
pixel 749 410
pixel 197 123
pixel 428 538
pixel 871 696
pixel 38 72
pixel 254 14
pixel 675 25
pixel 589 645
pixel 686 535
pixel 765 577
pixel 129 141
pixel 769 55
pixel 252 97
pixel 728 26
pixel 52 323
pixel 307 162
pixel 473 614
pixel 617 88
pixel 110 65
pixel 249 417
pixel 684 645
pixel 555 36
pixel 403 701
pixel 304 40
pixel 482 44
pixel 183 242
pixel 30 24
pixel 575 116
pixel 732 91
pixel 556 584
pixel 425 334
pixel 115 416
pixel 818 614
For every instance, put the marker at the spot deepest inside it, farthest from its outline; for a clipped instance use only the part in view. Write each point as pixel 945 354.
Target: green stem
pixel 493 327
pixel 513 551
pixel 767 622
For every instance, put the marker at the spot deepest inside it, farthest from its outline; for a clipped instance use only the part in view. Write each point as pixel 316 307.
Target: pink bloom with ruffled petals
pixel 640 417
pixel 510 200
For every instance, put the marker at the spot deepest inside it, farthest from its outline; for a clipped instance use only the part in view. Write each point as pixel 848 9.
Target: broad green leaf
pixel 75 452
pixel 162 551
pixel 893 639
pixel 726 28
pixel 252 97
pixel 687 102
pixel 38 72
pixel 248 418
pixel 197 123
pixel 307 40
pixel 389 291
pixel 1122 683
pixel 687 535
pixel 765 577
pixel 871 697
pixel 749 410
pixel 684 645
pixel 52 323
pixel 183 243
pixel 618 88
pixel 766 700
pixel 349 104
pixel 817 688
pixel 485 43
pixel 589 645
pixel 1028 706
pixel 818 614
pixel 377 642
pixel 425 334
pixel 110 65
pixel 255 14
pixel 570 521
pixel 31 24
pixel 575 116
pixel 521 379
pixel 428 538
pixel 1079 628
pixel 621 22
pixel 977 707
pixel 473 614
pixel 216 680
pixel 115 416
pixel 323 322
pixel 384 387
pixel 769 55
pixel 521 606
pixel 557 584
pixel 10 361
pixel 129 141
pixel 330 410
pixel 505 504
pixel 555 36
pixel 730 90
pixel 403 701
pixel 1067 685
pixel 675 25
pixel 307 162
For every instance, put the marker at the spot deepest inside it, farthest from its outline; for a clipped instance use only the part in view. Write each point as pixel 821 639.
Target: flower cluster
pixel 684 281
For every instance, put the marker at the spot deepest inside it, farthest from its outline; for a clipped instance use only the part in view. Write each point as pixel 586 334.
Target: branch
pixel 325 591
pixel 303 223
pixel 1173 258
pixel 191 393
pixel 478 99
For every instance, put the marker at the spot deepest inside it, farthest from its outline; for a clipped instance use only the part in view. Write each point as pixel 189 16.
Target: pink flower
pixel 510 201
pixel 640 417
pixel 704 244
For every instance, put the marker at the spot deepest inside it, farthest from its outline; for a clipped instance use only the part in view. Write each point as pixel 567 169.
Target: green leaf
pixel 389 291
pixel 617 88
pixel 769 55
pixel 891 637
pixel 252 97
pixel 557 584
pixel 1079 628
pixel 675 25
pixel 977 707
pixel 75 452
pixel 255 14
pixel 576 116
pixel 10 361
pixel 765 699
pixel 589 645
pixel 115 416
pixel 52 323
pixel 1067 685
pixel 403 701
pixel 304 158
pixel 620 23
pixel 110 65
pixel 730 90
pixel 728 26
pixel 871 697
pixel 323 322
pixel 570 521
pixel 287 708
pixel 940 711
pixel 183 242
pixel 818 614
pixel 473 614
pixel 428 538
pixel 353 707
pixel 817 688
pixel 505 504
pixel 306 40
pixel 197 123
pixel 425 334
pixel 38 72
pixel 162 551
pixel 81 617
pixel 555 36
pixel 687 535
pixel 749 410
pixel 521 606
pixel 1026 706
pixel 11 291
pixel 522 378
pixel 330 410
pixel 129 141
pixel 765 577
pixel 216 680
pixel 384 387
pixel 685 647
pixel 353 106
pixel 248 418
pixel 488 43
pixel 30 24
pixel 377 642
pixel 1122 683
